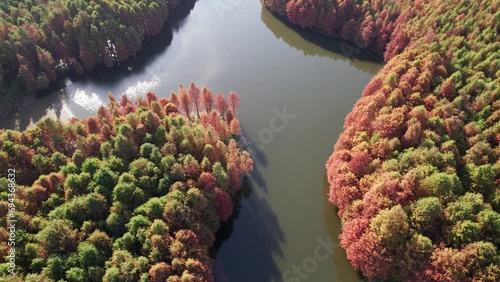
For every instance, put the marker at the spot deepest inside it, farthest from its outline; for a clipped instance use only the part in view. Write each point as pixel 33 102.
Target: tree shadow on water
pixel 315 44
pixel 177 18
pixel 251 145
pixel 258 156
pixel 249 242
pixel 152 48
pixel 33 108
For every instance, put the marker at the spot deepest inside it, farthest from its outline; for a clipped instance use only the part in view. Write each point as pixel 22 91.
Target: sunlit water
pixel 274 68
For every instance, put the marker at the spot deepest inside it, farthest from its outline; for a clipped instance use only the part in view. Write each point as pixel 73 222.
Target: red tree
pixel 195 97
pixel 208 99
pixel 221 104
pixel 206 181
pixel 160 272
pixel 234 127
pixel 234 101
pixel 359 165
pixel 368 255
pixel 174 99
pixel 229 116
pixel 185 102
pixel 223 204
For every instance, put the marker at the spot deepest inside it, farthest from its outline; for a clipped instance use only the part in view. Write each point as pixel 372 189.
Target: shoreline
pixel 377 57
pixel 14 98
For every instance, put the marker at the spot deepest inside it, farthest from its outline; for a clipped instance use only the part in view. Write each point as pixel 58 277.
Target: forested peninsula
pixel 41 41
pixel 138 191
pixel 135 193
pixel 415 174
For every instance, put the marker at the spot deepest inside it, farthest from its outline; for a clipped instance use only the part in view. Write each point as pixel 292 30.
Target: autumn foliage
pixel 41 40
pixel 133 194
pixel 416 173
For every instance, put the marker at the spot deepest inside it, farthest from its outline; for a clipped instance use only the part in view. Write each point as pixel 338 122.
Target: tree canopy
pixel 135 193
pixel 415 174
pixel 41 40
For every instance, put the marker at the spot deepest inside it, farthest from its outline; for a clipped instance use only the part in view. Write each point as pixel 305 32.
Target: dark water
pixel 296 89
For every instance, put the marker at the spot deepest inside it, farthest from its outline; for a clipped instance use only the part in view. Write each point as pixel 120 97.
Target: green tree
pixel 220 175
pixel 55 268
pixel 76 274
pixel 58 237
pixel 89 255
pixel 129 195
pixel 426 214
pixel 441 185
pixel 482 178
pixel 104 181
pixel 391 226
pixel 465 232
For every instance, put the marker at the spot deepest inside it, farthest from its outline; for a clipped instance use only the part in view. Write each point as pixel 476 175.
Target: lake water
pixel 296 88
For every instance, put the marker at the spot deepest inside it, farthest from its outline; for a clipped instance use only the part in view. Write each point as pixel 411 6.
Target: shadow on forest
pixel 345 272
pixel 248 243
pixel 315 44
pixel 36 107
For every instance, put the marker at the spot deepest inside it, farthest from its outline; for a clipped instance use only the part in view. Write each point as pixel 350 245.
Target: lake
pixel 296 88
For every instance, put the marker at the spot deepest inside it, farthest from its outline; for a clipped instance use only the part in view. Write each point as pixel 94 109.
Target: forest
pixel 135 193
pixel 43 40
pixel 416 172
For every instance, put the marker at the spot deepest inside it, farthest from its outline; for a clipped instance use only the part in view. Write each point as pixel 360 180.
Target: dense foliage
pixel 41 39
pixel 415 174
pixel 133 194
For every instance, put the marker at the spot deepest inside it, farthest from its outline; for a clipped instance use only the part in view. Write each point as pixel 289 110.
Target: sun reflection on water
pixel 90 102
pixel 142 87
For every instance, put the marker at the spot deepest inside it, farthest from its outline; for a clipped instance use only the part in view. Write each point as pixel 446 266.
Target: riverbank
pixel 347 48
pixel 281 221
pixel 74 43
pixel 181 190
pixel 421 144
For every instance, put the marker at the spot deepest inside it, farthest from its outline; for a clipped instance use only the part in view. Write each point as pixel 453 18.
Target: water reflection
pixel 81 95
pixel 88 101
pixel 258 236
pixel 142 87
pixel 249 51
pixel 153 49
pixel 258 157
pixel 316 44
pixel 252 257
pixel 35 108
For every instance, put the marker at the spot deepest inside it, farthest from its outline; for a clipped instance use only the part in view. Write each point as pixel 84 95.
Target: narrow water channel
pixel 296 88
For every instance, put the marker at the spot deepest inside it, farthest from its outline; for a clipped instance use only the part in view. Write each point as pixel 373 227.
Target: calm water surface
pixel 274 67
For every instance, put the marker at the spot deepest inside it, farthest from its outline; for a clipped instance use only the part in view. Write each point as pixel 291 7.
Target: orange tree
pixel 415 174
pixel 133 194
